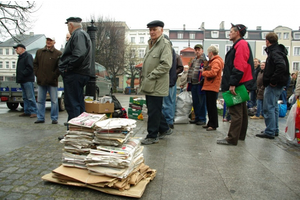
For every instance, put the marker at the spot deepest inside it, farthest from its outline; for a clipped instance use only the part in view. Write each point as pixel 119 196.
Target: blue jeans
pixel 169 105
pixel 74 97
pixel 199 104
pixel 270 107
pixel 41 101
pixel 259 109
pixel 252 101
pixel 28 98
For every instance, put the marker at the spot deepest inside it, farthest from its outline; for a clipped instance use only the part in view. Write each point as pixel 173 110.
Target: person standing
pixel 169 102
pixel 155 81
pixel 260 93
pixel 183 78
pixel 194 79
pixel 211 86
pixel 74 66
pixel 46 71
pixel 276 76
pixel 238 70
pixel 253 93
pixel 25 76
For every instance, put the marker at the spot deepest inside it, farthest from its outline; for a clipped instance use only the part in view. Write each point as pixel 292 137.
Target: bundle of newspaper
pixel 115 161
pixel 79 139
pixel 113 131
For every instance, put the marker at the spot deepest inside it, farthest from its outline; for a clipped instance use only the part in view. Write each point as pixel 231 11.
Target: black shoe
pixel 224 142
pixel 54 122
pixel 61 137
pixel 200 123
pixel 276 134
pixel 39 121
pixel 171 126
pixel 265 136
pixel 193 121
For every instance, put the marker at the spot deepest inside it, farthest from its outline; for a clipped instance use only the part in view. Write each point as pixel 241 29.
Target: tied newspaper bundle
pixel 114 163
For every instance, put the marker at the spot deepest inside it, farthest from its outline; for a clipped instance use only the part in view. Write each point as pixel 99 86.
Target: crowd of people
pixel 267 82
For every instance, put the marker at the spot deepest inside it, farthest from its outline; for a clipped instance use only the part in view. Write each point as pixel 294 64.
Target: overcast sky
pixel 50 18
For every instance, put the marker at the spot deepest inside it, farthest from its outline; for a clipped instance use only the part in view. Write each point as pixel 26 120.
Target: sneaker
pixel 32 116
pixel 54 122
pixel 147 141
pixel 254 117
pixel 163 135
pixel 261 117
pixel 24 115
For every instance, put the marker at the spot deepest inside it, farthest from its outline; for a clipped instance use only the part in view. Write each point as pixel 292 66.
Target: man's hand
pixel 232 90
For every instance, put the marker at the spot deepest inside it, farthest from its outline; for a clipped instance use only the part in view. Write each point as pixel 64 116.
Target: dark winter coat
pixel 239 67
pixel 25 68
pixel 77 55
pixel 277 70
pixel 45 66
pixel 260 85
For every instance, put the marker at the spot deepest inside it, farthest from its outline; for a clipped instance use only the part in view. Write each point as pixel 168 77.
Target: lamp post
pixel 91 85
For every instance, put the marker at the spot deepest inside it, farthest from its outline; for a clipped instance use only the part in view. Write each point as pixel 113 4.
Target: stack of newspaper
pixel 79 139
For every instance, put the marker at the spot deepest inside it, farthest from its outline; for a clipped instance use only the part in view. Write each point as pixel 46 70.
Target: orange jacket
pixel 213 74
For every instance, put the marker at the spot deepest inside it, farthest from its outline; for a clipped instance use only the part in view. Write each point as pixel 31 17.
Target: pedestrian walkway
pixel 189 164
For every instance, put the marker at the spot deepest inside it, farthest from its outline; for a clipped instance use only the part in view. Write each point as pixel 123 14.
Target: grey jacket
pixel 156 65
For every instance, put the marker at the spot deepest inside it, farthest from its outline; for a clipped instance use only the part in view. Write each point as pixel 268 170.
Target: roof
pixel 189 49
pixel 139 65
pixel 25 39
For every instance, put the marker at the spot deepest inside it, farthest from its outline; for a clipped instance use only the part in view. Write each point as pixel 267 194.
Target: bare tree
pixel 14 18
pixel 132 59
pixel 110 47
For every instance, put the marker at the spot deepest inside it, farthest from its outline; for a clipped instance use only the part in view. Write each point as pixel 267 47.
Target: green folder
pixel 241 96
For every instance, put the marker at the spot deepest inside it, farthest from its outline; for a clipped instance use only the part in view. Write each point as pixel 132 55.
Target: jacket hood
pixel 275 46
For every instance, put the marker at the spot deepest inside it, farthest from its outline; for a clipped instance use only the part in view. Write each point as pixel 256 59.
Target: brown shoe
pixel 33 116
pixel 24 115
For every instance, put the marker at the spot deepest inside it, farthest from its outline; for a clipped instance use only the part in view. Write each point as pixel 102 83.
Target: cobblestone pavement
pixel 189 163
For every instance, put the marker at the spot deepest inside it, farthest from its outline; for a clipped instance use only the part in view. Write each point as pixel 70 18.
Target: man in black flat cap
pixel 155 81
pixel 74 67
pixel 238 70
pixel 25 76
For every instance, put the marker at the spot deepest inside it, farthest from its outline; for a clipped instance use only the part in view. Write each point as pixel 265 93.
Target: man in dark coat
pixel 276 76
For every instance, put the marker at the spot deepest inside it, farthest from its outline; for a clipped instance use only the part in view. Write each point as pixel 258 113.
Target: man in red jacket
pixel 238 70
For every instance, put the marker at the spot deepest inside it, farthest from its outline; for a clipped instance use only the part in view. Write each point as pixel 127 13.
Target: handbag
pixel 240 97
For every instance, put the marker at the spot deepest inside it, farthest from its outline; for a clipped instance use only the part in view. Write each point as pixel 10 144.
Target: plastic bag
pixel 184 105
pixel 291 99
pixel 282 109
pixel 297 120
pixel 290 124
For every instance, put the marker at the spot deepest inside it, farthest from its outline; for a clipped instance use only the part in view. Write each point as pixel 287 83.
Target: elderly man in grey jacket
pixel 155 81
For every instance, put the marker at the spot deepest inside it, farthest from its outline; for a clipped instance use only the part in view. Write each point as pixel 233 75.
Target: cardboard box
pixel 137 100
pixel 96 107
pixel 135 114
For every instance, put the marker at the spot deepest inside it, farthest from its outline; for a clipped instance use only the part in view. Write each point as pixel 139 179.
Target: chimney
pixel 258 28
pixel 184 27
pixel 31 33
pixel 222 27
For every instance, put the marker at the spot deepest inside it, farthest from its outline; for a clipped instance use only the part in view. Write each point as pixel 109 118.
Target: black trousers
pixel 156 120
pixel 212 111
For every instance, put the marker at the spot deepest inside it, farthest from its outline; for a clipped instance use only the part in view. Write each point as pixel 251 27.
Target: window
pixel 296 51
pixel 263 35
pixel 192 36
pixel 13 52
pixel 288 50
pixel 1 51
pixel 7 51
pixel 296 35
pixel 1 78
pixel 142 40
pixel 7 65
pixel 132 40
pixel 227 48
pixel 1 64
pixel 263 50
pixel 141 53
pixel 227 34
pixel 132 53
pixel 180 35
pixel 296 66
pixel 215 34
pixel 279 35
pixel 13 64
pixel 285 36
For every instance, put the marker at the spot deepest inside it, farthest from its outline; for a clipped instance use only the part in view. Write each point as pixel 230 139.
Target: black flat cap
pixel 242 29
pixel 155 23
pixel 19 45
pixel 74 19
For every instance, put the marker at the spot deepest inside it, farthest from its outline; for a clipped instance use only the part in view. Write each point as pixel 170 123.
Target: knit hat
pixel 242 29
